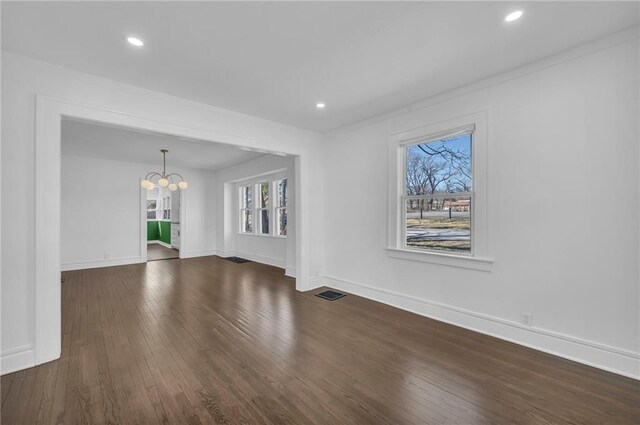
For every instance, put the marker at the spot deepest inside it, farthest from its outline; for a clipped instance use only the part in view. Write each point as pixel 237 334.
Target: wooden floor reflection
pixel 204 340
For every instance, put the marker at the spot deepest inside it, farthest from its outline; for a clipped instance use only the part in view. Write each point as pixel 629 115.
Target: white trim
pixel 270 178
pixel 316 282
pixel 263 259
pixel 612 359
pixel 95 264
pixel 143 222
pixel 196 254
pixel 183 224
pixel 48 301
pixel 290 271
pixel 477 122
pixel 49 114
pixel 17 359
pixel 452 260
pixel 422 138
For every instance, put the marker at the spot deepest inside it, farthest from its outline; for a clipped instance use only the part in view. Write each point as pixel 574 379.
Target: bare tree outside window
pixel 246 209
pixel 281 206
pixel 438 195
pixel 263 206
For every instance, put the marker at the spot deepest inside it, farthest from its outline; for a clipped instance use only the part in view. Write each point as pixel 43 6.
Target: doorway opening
pixel 54 236
pixel 162 216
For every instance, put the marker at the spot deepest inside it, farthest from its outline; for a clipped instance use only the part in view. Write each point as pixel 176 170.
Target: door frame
pixel 49 114
pixel 143 223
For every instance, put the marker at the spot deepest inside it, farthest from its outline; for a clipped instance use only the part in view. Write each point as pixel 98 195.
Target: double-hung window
pixel 263 207
pixel 246 209
pixel 438 193
pixel 281 207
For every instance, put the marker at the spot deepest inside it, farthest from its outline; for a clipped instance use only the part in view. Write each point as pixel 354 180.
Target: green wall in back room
pixel 153 231
pixel 165 232
pixel 159 231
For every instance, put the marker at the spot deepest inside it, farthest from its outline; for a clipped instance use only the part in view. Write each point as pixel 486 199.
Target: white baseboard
pixel 94 264
pixel 612 359
pixel 271 261
pixel 315 282
pixel 166 245
pixel 290 271
pixel 17 359
pixel 199 254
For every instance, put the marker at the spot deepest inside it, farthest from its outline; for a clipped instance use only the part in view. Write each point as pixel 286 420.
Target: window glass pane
pixel 440 166
pixel 264 194
pixel 282 222
pixel 264 221
pixel 282 192
pixel 247 196
pixel 151 215
pixel 247 221
pixel 151 204
pixel 440 224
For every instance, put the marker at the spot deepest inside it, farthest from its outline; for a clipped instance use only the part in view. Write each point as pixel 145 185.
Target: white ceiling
pixel 88 139
pixel 276 60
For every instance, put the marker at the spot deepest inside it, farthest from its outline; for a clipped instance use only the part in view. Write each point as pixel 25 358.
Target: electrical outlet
pixel 526 319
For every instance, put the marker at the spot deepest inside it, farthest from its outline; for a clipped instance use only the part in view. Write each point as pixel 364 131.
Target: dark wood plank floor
pixel 204 340
pixel 158 252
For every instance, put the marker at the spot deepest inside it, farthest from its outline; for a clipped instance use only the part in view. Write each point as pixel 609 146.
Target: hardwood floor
pixel 204 340
pixel 158 252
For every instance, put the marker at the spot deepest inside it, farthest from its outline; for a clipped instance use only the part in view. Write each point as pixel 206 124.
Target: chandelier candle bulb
pixel 173 187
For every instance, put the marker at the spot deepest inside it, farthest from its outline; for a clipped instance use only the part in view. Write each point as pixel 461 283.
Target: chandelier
pixel 164 179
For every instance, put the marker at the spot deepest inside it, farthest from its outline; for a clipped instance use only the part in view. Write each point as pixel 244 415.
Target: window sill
pixel 262 235
pixel 452 260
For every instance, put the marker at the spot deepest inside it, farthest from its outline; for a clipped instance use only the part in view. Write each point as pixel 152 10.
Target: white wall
pixel 563 216
pixel 560 131
pixel 24 78
pixel 101 212
pixel 279 252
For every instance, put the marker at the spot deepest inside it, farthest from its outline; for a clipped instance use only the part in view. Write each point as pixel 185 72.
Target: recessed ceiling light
pixel 513 16
pixel 320 105
pixel 135 41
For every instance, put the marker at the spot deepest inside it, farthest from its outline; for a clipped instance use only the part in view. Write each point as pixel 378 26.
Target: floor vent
pixel 330 295
pixel 237 260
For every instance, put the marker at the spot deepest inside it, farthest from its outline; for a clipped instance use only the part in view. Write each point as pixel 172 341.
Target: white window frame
pixel 277 209
pixel 163 204
pixel 259 208
pixel 479 258
pixel 242 210
pixel 272 206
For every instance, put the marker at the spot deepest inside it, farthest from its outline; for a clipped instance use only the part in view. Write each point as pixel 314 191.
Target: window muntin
pixel 281 206
pixel 263 207
pixel 166 208
pixel 159 209
pixel 246 209
pixel 438 195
